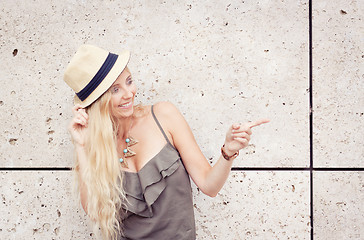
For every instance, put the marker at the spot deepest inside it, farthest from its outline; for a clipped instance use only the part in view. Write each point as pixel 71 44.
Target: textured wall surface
pixel 339 83
pixel 218 62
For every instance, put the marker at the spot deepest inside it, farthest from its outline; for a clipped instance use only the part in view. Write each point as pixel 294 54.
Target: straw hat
pixel 92 71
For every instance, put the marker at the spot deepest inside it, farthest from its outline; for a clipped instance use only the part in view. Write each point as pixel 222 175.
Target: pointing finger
pixel 258 122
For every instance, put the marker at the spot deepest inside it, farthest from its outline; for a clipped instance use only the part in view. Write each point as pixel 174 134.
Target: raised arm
pixel 78 130
pixel 208 179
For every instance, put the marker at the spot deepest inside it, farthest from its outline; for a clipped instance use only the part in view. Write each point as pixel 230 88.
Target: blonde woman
pixel 134 162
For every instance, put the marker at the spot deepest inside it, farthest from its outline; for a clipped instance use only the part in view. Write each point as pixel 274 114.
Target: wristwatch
pixel 232 157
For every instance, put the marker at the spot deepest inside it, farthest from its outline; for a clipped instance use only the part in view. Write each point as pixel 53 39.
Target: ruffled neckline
pixel 143 188
pixel 150 160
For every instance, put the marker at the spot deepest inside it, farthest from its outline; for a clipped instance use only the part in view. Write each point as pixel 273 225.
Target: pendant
pixel 127 151
pixel 123 163
pixel 130 141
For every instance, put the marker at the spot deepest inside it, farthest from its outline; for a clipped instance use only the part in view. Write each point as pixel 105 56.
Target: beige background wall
pixel 218 62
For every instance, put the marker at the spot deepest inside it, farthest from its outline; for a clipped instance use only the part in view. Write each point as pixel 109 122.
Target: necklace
pixel 130 141
pixel 127 151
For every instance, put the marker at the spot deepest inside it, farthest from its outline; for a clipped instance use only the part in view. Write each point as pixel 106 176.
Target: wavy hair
pixel 102 175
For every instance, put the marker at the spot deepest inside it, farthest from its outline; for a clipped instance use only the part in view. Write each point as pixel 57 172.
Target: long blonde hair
pixel 102 175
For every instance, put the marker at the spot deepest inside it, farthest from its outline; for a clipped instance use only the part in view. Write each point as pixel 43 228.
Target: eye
pixel 129 81
pixel 114 89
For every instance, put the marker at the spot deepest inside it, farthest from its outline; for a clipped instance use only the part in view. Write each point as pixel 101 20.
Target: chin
pixel 124 113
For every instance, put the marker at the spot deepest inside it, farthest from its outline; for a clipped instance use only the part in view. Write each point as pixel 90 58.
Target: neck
pixel 124 126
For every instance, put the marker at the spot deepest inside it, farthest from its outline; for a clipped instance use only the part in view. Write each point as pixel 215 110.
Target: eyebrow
pixel 116 84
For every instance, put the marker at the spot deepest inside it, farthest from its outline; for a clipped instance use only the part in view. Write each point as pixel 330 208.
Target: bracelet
pixel 232 157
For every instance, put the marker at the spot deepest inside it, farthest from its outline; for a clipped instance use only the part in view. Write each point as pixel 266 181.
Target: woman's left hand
pixel 238 136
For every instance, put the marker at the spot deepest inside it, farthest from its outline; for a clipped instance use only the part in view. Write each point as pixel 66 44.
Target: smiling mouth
pixel 125 105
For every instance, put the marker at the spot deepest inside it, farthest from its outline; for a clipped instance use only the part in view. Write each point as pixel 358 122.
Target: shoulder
pixel 168 115
pixel 165 109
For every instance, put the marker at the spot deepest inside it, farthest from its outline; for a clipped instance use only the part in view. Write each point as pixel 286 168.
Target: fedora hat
pixel 92 71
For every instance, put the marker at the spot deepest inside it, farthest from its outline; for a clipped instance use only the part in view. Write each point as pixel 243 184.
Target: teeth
pixel 125 105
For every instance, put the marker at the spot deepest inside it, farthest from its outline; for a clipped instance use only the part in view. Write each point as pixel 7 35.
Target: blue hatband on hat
pixel 97 79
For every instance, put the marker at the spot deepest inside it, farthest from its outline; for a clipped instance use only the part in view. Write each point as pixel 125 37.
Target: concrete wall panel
pixel 338 205
pixel 253 205
pixel 218 62
pixel 40 205
pixel 256 205
pixel 338 84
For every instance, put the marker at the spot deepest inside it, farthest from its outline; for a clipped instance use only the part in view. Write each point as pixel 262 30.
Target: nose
pixel 128 94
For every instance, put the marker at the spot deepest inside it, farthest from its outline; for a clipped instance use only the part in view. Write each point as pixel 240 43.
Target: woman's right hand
pixel 78 126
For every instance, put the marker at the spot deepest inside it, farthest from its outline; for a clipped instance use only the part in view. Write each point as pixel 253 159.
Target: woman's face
pixel 122 94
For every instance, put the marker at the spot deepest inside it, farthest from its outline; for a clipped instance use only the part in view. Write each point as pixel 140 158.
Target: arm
pixel 209 179
pixel 77 128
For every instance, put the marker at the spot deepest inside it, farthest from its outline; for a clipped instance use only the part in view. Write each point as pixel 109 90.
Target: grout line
pixel 321 169
pixel 259 169
pixel 293 169
pixel 310 112
pixel 269 169
pixel 35 169
pixel 311 202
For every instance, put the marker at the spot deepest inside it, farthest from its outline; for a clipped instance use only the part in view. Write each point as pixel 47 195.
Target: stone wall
pixel 218 62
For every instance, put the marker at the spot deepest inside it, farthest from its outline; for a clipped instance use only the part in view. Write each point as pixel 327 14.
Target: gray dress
pixel 159 198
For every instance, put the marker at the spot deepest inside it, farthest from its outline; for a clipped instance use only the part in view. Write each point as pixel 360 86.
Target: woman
pixel 133 161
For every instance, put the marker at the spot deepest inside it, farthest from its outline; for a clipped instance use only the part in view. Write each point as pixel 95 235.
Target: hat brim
pixel 119 66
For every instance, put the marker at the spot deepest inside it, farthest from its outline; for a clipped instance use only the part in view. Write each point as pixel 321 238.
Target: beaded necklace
pixel 130 141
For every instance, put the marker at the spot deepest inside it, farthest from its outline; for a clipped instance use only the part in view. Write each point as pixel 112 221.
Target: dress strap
pixel 159 125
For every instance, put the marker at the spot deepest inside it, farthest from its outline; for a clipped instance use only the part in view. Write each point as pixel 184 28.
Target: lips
pixel 125 105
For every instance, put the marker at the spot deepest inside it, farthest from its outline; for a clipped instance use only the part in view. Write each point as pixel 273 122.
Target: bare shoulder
pixel 168 115
pixel 165 109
